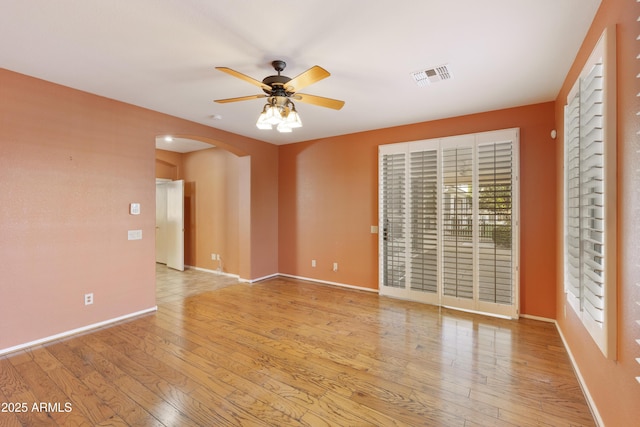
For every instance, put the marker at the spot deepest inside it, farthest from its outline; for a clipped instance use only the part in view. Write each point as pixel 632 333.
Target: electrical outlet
pixel 213 257
pixel 313 263
pixel 335 266
pixel 88 299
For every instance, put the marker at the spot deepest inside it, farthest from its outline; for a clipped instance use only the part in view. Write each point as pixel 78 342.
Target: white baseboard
pixel 583 385
pixel 76 331
pixel 218 272
pixel 259 279
pixel 271 276
pixel 233 276
pixel 326 282
pixel 541 319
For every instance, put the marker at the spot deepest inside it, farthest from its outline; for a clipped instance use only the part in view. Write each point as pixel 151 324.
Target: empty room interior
pixel 320 213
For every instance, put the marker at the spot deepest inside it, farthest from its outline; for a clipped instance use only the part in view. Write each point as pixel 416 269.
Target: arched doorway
pixel 216 202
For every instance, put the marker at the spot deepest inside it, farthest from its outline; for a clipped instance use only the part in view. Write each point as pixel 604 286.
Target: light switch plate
pixel 134 235
pixel 134 208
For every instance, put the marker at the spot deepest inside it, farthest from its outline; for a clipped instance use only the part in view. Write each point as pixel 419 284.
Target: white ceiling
pixel 161 54
pixel 180 145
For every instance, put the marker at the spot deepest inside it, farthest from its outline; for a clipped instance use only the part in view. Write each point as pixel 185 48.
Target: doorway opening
pixel 203 206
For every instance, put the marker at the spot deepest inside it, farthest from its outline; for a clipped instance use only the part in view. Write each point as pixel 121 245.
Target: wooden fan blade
pixel 312 75
pixel 244 77
pixel 319 101
pixel 240 98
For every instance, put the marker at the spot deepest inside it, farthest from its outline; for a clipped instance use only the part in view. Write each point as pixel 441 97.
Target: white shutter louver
pixel 591 193
pixel 393 219
pixel 495 202
pixel 457 221
pixel 424 221
pixel 572 196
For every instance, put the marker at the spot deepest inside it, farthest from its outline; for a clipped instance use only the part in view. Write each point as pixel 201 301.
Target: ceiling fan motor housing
pixel 277 83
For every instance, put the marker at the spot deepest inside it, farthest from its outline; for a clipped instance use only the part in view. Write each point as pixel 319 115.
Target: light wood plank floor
pixel 286 352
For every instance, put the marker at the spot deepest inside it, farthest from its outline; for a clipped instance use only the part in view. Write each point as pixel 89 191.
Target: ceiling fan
pixel 280 91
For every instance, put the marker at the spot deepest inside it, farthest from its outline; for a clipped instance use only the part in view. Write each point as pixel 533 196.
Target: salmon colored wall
pixel 70 164
pixel 612 384
pixel 212 203
pixel 168 165
pixel 328 201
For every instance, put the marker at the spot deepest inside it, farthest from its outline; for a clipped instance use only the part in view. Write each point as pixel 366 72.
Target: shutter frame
pixel 420 185
pixel 593 294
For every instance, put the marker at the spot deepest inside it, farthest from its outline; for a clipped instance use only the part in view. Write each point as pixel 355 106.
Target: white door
pixel 161 222
pixel 175 224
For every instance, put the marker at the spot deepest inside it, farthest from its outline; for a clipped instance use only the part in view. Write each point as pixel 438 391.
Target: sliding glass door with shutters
pixel 449 221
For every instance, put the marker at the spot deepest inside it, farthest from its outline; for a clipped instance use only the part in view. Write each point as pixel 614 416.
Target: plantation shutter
pixel 572 196
pixel 457 222
pixel 424 220
pixel 392 196
pixel 495 266
pixel 591 193
pixel 448 220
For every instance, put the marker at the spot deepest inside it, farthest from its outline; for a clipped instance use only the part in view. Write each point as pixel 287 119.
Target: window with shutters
pixel 448 214
pixel 590 196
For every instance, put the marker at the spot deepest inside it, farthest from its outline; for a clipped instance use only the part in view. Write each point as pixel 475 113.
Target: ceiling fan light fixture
pixel 263 126
pixel 273 115
pixel 284 128
pixel 293 118
pixel 281 113
pixel 262 119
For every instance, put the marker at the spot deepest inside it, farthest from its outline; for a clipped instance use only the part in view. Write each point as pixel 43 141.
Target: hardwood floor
pixel 286 352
